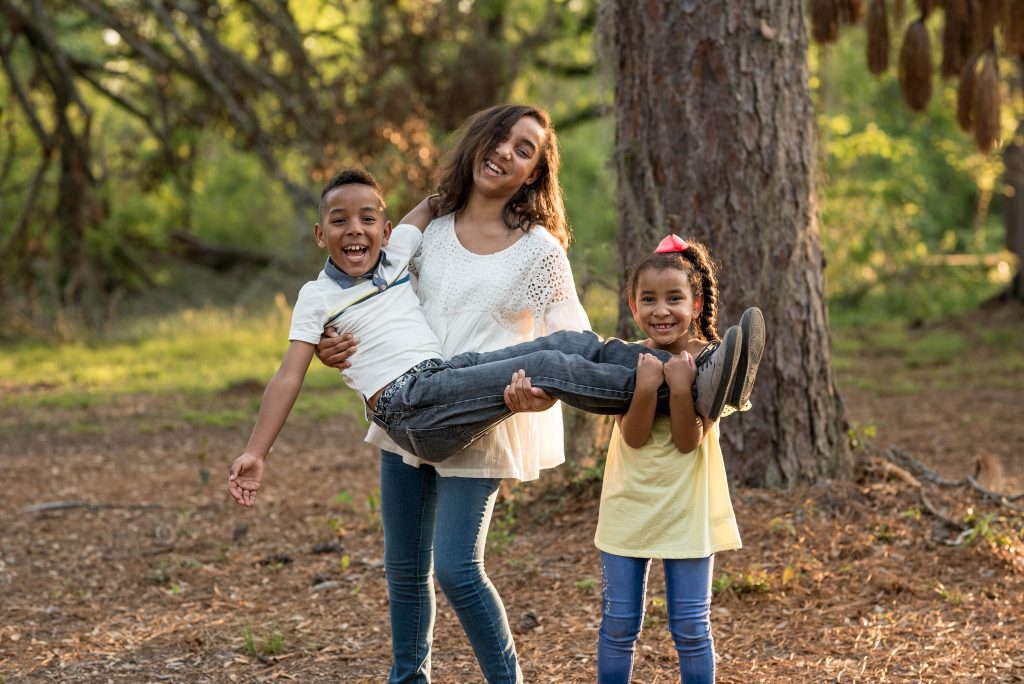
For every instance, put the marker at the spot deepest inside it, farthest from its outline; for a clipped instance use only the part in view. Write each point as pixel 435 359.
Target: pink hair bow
pixel 672 243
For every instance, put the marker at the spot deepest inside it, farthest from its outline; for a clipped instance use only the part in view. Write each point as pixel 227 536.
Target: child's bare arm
pixel 687 427
pixel 246 472
pixel 422 214
pixel 638 420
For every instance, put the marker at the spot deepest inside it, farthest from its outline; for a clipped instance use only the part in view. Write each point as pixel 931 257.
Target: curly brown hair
pixel 540 202
pixel 702 274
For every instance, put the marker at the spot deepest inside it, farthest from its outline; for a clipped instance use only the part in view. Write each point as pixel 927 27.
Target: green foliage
pixel 900 192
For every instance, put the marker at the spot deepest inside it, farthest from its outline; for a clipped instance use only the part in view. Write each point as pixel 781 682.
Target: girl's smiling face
pixel 665 306
pixel 512 162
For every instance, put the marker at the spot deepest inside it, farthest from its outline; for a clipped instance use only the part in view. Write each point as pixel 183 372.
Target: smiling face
pixel 504 168
pixel 353 228
pixel 664 307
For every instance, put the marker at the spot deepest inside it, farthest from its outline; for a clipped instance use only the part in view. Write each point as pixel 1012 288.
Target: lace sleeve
pixel 552 294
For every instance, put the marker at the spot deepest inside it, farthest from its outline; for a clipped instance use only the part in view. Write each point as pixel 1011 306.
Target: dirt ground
pixel 142 570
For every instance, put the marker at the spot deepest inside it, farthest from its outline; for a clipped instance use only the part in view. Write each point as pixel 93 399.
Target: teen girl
pixel 665 493
pixel 491 272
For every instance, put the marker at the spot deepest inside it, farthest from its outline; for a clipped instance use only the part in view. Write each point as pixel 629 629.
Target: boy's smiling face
pixel 353 228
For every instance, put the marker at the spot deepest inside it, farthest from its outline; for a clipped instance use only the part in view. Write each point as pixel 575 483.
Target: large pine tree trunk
pixel 1013 160
pixel 715 140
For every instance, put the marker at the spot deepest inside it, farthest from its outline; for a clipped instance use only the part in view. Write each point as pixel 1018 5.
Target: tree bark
pixel 1013 161
pixel 715 141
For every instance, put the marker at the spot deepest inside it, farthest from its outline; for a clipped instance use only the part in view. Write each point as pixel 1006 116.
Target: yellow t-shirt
pixel 659 503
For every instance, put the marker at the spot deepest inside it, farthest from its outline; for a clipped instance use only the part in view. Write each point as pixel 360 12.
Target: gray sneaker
pixel 752 326
pixel 715 373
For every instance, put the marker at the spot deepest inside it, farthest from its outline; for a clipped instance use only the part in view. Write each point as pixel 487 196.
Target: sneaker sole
pixel 751 350
pixel 732 342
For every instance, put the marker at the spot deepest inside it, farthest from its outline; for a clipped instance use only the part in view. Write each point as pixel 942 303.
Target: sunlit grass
pixel 197 353
pixel 903 358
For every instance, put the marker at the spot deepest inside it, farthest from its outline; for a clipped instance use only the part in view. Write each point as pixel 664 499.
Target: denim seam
pixel 509 676
pixel 420 657
pixel 574 387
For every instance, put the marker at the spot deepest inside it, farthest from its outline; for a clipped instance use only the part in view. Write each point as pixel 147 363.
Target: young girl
pixel 665 493
pixel 491 272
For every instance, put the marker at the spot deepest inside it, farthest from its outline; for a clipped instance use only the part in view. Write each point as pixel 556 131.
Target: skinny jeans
pixel 438 411
pixel 687 600
pixel 437 525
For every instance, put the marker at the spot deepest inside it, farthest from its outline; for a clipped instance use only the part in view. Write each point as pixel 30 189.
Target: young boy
pixel 430 407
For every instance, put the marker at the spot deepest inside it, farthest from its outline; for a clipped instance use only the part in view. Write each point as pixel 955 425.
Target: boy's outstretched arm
pixel 246 472
pixel 422 214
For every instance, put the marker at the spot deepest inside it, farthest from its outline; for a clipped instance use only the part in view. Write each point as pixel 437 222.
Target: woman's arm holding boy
pixel 246 472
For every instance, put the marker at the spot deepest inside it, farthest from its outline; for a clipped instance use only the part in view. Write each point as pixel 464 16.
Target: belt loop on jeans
pixel 381 408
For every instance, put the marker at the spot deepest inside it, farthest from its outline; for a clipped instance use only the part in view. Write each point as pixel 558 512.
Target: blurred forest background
pixel 160 161
pixel 147 147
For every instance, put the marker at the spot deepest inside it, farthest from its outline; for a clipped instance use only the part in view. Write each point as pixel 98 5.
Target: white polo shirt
pixel 393 333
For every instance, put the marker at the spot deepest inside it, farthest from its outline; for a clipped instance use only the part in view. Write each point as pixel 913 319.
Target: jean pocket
pixel 439 443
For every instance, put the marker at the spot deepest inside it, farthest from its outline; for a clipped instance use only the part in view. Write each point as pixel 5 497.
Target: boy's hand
pixel 244 479
pixel 680 372
pixel 334 350
pixel 650 372
pixel 523 397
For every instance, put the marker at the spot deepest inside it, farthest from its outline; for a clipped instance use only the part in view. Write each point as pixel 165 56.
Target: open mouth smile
pixel 355 253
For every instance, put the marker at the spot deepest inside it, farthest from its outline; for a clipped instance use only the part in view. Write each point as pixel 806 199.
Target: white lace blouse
pixel 481 302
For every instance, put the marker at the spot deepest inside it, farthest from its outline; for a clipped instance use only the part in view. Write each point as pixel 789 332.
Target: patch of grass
pixel 69 400
pixel 198 353
pixel 324 404
pixel 216 418
pixel 585 585
pixel 754 581
pixel 269 644
pixel 951 595
pixel 503 522
pixel 88 427
pixel 935 347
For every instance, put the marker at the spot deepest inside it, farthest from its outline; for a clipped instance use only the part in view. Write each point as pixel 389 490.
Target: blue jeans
pixel 688 600
pixel 439 411
pixel 439 524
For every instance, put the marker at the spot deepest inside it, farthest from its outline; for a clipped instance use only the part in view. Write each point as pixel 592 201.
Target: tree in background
pixel 982 45
pixel 120 94
pixel 715 140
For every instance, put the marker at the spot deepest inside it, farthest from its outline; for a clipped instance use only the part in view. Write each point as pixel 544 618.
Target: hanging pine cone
pixel 916 66
pixel 878 37
pixel 965 95
pixel 825 21
pixel 986 16
pixel 1013 27
pixel 986 105
pixel 851 11
pixel 956 38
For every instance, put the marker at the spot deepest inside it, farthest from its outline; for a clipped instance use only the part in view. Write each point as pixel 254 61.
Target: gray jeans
pixel 439 411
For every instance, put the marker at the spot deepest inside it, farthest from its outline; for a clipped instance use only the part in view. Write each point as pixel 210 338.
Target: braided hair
pixel 702 275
